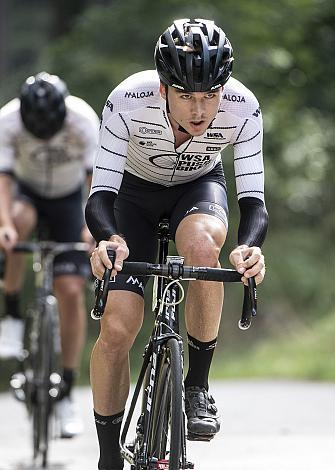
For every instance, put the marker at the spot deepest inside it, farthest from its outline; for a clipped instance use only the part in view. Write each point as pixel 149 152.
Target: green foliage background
pixel 284 53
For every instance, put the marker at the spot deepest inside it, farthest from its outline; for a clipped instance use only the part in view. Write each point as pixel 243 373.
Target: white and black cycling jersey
pixel 55 167
pixel 136 136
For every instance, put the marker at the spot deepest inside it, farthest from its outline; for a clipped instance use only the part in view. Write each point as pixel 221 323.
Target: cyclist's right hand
pixel 99 258
pixel 8 237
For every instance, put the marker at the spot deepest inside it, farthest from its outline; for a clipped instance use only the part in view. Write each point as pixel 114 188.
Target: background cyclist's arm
pixel 8 233
pixel 10 122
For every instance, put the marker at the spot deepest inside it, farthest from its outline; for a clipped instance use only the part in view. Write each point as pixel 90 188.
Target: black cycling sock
pixel 69 376
pixel 12 305
pixel 108 429
pixel 200 358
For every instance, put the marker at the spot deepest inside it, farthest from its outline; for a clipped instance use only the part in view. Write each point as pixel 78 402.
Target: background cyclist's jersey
pixel 54 167
pixel 136 136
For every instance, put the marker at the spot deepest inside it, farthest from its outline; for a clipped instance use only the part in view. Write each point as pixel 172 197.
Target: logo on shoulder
pixel 234 98
pixel 257 112
pixel 109 105
pixel 138 94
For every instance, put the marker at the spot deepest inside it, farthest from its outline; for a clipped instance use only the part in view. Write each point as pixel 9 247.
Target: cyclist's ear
pixel 162 90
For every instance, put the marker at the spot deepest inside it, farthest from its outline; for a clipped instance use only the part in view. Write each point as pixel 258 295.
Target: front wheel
pixel 44 363
pixel 165 440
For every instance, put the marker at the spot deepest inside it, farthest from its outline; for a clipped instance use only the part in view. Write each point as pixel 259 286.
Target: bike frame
pixel 166 326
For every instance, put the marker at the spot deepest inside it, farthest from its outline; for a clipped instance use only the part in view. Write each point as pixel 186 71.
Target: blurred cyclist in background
pixel 48 140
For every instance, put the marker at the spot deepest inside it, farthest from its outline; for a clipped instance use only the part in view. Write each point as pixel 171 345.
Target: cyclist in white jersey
pixel 161 138
pixel 48 140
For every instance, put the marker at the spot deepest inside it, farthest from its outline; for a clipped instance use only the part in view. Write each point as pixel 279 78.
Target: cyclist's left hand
pixel 249 261
pixel 87 238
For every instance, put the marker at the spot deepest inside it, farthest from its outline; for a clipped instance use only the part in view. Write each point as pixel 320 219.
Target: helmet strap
pixel 180 128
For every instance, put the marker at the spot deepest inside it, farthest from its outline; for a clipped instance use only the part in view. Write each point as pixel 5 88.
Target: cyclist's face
pixel 193 111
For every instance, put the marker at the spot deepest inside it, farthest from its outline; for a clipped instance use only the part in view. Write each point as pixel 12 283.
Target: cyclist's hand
pixel 86 237
pixel 100 260
pixel 8 237
pixel 248 261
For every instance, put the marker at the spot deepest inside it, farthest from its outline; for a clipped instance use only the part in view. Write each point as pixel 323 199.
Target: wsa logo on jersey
pixel 215 135
pixel 191 162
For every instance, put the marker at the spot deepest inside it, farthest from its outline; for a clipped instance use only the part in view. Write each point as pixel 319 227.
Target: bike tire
pixel 165 440
pixel 44 363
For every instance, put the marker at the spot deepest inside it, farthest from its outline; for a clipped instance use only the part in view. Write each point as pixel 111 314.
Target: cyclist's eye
pixel 210 95
pixel 186 97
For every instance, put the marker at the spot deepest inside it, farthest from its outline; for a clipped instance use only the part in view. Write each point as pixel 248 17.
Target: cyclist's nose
pixel 197 109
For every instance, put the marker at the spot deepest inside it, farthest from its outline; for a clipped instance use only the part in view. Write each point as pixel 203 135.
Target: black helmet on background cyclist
pixel 43 104
pixel 194 55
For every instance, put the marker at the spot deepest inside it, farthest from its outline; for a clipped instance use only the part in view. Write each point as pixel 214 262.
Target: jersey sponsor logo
pixel 214 135
pixel 148 143
pixel 234 98
pixel 165 161
pixel 138 94
pixel 212 149
pixel 192 162
pixel 135 281
pixel 257 112
pixel 185 161
pixel 145 130
pixel 109 105
pixel 53 156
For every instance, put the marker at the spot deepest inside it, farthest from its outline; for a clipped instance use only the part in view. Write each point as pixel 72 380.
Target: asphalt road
pixel 265 426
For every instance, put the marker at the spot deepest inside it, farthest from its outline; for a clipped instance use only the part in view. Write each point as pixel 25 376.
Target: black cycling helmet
pixel 194 55
pixel 43 104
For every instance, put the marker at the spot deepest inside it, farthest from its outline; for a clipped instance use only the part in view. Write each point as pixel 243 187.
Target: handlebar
pixel 50 247
pixel 177 271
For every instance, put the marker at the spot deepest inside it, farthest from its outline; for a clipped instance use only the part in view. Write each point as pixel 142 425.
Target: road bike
pixel 38 383
pixel 161 433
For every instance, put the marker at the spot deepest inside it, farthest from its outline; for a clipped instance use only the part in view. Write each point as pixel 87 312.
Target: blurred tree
pixel 283 52
pixel 64 14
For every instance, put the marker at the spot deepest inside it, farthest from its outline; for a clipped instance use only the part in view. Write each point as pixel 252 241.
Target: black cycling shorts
pixel 140 205
pixel 60 220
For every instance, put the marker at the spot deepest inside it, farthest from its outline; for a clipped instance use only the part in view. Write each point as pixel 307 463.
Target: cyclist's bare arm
pixel 8 232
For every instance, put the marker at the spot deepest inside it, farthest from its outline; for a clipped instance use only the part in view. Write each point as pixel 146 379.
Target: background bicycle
pixel 39 381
